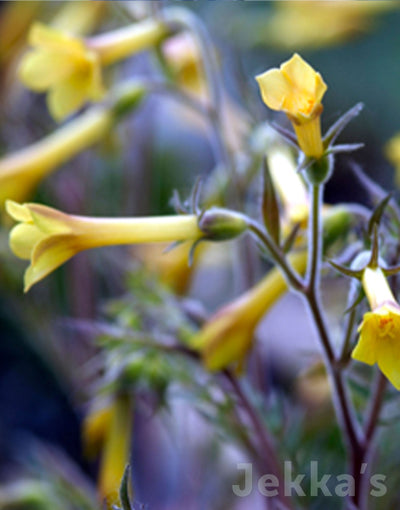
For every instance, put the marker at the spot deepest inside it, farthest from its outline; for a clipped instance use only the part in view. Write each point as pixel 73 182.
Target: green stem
pixel 342 403
pixel 293 278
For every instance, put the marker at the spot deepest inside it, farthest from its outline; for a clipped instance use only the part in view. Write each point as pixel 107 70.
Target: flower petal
pixel 42 36
pixel 301 75
pixel 389 360
pixel 18 212
pixel 41 69
pixel 68 96
pixel 320 88
pixel 47 256
pixel 23 238
pixel 366 348
pixel 49 220
pixel 274 88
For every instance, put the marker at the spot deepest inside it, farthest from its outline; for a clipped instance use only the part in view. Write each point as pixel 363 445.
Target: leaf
pixel 269 205
pixel 288 243
pixel 124 490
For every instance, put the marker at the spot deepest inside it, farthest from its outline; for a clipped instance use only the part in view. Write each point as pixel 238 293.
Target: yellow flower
pixel 379 340
pixel 70 68
pixel 297 90
pixel 171 266
pixel 392 152
pixel 22 170
pixel 109 428
pixel 295 24
pixel 228 336
pixel 289 185
pixel 184 58
pixel 48 238
pixel 64 66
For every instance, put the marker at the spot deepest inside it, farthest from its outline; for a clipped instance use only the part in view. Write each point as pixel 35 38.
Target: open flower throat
pixel 297 90
pixel 380 329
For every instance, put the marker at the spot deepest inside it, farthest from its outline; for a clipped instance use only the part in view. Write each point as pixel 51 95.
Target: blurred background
pixel 47 336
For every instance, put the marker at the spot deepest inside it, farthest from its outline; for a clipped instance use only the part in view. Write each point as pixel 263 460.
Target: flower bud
pixel 222 224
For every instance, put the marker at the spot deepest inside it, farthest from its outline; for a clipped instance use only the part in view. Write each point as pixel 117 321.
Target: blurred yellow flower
pixel 69 68
pixel 62 65
pixel 392 152
pixel 289 185
pixel 48 237
pixel 379 340
pixel 21 171
pixel 171 266
pixel 184 58
pixel 109 429
pixel 228 336
pixel 295 24
pixel 297 90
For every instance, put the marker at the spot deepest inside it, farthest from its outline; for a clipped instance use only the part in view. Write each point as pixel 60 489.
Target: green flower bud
pixel 222 224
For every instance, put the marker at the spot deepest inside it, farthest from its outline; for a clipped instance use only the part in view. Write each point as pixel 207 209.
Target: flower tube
pixel 228 336
pixel 48 237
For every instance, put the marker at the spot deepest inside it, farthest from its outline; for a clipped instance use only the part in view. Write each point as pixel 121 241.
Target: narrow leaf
pixel 377 214
pixel 288 243
pixel 124 490
pixel 269 205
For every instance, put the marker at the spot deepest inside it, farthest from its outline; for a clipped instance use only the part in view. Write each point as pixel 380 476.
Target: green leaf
pixel 124 490
pixel 270 206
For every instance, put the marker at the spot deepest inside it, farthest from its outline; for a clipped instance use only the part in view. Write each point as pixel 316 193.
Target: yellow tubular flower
pixel 48 237
pixel 116 450
pixel 22 170
pixel 79 17
pixel 171 266
pixel 184 58
pixel 297 90
pixel 63 65
pixel 228 336
pixel 94 430
pixel 69 68
pixel 379 340
pixel 123 42
pixel 289 184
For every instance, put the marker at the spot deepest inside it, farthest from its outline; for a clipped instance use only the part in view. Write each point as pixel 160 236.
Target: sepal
pixel 335 130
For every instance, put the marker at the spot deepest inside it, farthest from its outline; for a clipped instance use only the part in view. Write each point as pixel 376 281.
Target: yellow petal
pixel 320 88
pixel 23 238
pixel 300 74
pixel 42 36
pixel 274 88
pixel 389 360
pixel 68 96
pixel 41 69
pixel 366 348
pixel 47 256
pixel 49 220
pixel 17 211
